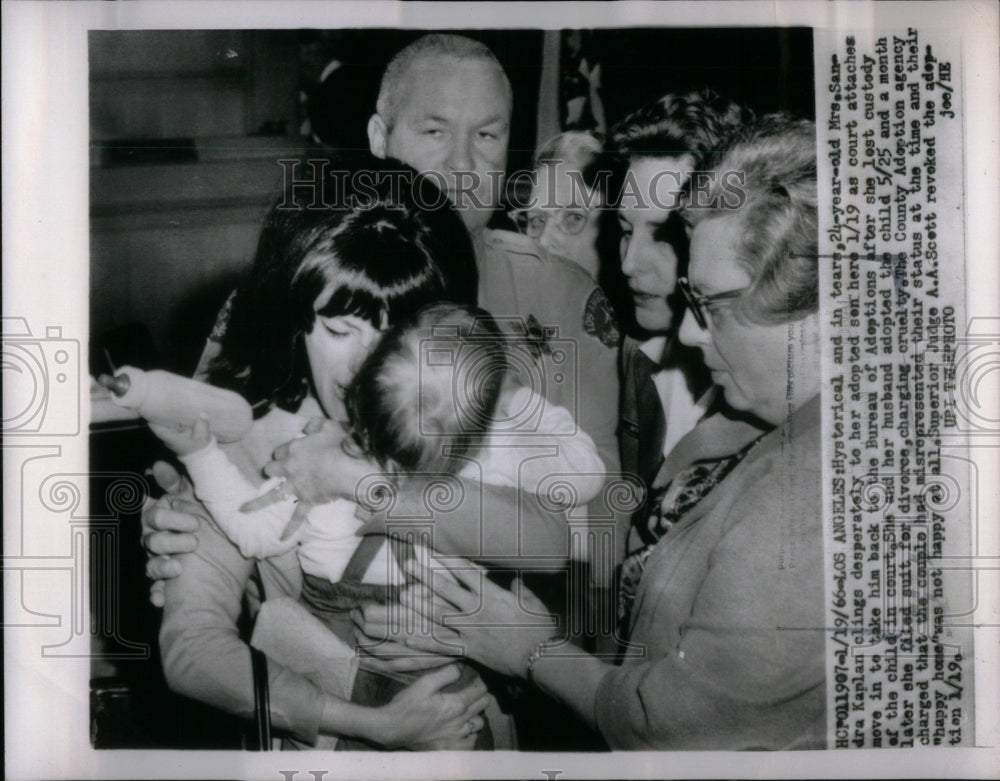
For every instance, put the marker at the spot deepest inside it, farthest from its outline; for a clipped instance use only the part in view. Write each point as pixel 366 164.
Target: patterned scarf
pixel 666 506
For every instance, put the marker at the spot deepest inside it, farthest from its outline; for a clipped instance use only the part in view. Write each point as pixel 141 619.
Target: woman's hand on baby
pixel 494 626
pixel 169 525
pixel 316 468
pixel 422 717
pixel 380 633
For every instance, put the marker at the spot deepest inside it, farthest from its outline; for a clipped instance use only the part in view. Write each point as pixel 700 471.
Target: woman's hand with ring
pixel 494 626
pixel 423 717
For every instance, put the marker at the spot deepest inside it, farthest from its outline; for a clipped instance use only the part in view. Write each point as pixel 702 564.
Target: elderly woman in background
pixel 723 609
pixel 564 208
pixel 568 215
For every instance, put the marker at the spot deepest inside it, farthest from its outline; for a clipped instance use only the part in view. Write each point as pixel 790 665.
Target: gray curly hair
pixel 777 214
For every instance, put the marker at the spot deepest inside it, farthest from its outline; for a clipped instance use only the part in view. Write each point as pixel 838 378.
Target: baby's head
pixel 424 398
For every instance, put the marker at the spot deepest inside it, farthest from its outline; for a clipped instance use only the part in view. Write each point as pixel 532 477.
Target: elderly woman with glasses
pixel 563 210
pixel 567 212
pixel 723 608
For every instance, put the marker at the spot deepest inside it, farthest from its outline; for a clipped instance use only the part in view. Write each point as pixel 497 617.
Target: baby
pixel 438 395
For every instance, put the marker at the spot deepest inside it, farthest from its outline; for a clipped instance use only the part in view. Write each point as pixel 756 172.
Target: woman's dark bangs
pixel 402 275
pixel 381 253
pixel 355 302
pixel 402 305
pixel 307 286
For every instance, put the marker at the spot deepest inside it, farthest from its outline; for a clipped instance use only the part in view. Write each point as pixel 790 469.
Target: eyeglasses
pixel 531 222
pixel 700 304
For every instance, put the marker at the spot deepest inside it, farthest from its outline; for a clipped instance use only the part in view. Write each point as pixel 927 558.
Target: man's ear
pixel 377 133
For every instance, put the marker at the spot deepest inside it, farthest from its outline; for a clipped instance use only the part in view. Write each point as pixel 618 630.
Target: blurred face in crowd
pixel 649 261
pixel 564 218
pixel 454 121
pixel 750 361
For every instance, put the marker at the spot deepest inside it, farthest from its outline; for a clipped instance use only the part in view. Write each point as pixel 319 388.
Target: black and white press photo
pixel 592 394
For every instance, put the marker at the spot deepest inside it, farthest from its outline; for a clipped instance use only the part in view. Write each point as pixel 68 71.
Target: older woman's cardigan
pixel 727 637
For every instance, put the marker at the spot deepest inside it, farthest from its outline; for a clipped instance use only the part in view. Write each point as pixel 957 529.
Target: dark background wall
pixel 767 69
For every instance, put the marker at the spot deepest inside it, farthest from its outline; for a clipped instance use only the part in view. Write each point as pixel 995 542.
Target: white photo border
pixel 45 268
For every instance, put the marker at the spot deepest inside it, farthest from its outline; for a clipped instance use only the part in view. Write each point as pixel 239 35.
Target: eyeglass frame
pixel 698 303
pixel 515 213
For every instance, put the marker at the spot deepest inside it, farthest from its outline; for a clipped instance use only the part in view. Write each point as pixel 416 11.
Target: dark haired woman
pixel 324 286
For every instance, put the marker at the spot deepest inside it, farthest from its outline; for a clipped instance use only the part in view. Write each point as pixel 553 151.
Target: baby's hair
pixel 424 398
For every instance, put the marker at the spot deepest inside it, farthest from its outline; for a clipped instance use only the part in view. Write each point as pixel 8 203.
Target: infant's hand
pixel 182 439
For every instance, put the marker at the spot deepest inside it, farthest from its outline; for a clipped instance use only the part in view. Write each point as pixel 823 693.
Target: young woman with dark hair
pixel 388 247
pixel 324 286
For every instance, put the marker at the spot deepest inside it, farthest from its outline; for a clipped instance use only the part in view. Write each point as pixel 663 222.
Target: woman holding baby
pixel 335 323
pixel 325 286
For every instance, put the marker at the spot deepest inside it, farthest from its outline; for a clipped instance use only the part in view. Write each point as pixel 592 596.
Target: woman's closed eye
pixel 337 330
pixel 337 326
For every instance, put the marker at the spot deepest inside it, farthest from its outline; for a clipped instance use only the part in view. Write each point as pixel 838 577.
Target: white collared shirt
pixel 681 409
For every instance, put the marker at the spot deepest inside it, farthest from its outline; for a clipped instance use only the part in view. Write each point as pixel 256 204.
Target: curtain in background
pixel 569 95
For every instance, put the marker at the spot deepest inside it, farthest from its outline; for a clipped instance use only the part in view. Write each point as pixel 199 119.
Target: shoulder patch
pixel 599 319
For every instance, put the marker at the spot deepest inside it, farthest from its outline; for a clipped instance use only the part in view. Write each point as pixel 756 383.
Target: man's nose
pixel 460 152
pixel 690 333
